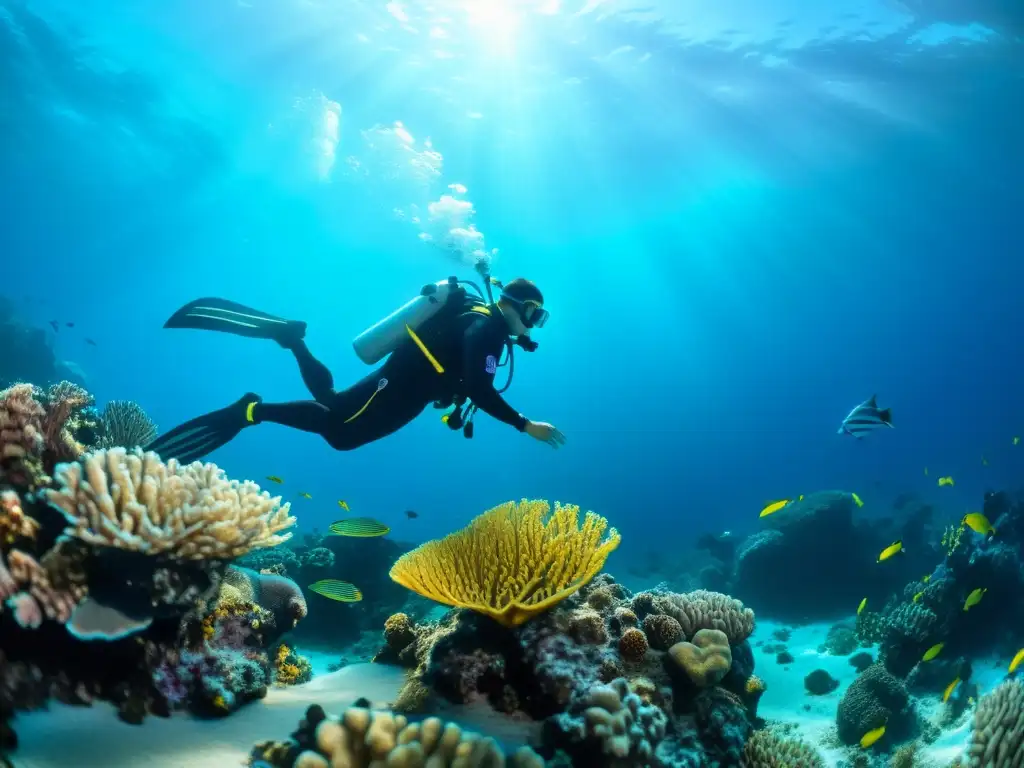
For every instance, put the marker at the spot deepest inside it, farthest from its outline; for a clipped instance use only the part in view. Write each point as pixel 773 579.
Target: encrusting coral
pixel 134 501
pixel 361 738
pixel 511 562
pixel 998 737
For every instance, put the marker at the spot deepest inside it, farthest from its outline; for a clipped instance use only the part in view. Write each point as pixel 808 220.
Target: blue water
pixel 746 217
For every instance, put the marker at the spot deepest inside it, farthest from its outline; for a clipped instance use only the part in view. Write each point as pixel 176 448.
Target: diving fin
pixel 213 314
pixel 199 437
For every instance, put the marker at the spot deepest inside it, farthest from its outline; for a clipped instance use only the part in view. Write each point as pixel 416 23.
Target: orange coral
pixel 633 645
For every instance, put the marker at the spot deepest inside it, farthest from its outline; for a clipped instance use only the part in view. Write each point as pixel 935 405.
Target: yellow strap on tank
pixel 423 348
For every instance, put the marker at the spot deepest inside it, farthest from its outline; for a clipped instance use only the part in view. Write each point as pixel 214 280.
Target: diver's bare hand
pixel 546 433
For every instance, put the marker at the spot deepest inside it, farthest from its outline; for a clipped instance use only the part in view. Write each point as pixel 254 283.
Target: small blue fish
pixel 866 417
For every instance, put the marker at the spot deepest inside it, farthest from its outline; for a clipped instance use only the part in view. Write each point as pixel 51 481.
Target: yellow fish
pixel 275 479
pixel 932 652
pixel 800 497
pixel 970 701
pixel 949 689
pixel 947 480
pixel 893 549
pixel 1016 661
pixel 862 606
pixel 333 589
pixel 978 523
pixel 344 505
pixel 306 495
pixel 926 579
pixel 773 507
pixel 856 500
pixel 871 737
pixel 975 597
pixel 918 596
pixel 1016 441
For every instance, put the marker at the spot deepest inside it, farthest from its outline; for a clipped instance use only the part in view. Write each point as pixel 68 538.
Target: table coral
pixel 511 563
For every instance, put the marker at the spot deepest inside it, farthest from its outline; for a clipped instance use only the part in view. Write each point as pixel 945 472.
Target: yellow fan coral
pixel 512 562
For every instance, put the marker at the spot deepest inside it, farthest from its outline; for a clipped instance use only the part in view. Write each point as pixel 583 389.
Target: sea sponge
pixel 134 501
pixel 765 749
pixel 707 610
pixel 662 631
pixel 998 737
pixel 706 659
pixel 361 738
pixel 398 632
pixel 633 645
pixel 587 627
pixel 512 562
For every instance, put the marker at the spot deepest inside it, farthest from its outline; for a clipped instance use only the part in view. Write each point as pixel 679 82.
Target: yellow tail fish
pixel 949 689
pixel 333 589
pixel 344 505
pixel 306 495
pixel 978 523
pixel 947 480
pixel 358 527
pixel 975 597
pixel 893 549
pixel 871 737
pixel 773 507
pixel 1016 661
pixel 862 606
pixel 856 500
pixel 932 652
pixel 275 479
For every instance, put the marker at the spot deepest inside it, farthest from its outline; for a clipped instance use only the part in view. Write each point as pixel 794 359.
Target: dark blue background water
pixel 746 220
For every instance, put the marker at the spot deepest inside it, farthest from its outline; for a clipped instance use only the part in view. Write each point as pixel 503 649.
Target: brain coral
pixel 998 737
pixel 706 660
pixel 633 645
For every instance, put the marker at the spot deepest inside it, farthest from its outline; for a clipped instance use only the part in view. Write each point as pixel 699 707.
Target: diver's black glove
pixel 527 344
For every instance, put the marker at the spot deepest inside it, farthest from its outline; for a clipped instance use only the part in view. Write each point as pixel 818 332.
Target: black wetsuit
pixel 468 348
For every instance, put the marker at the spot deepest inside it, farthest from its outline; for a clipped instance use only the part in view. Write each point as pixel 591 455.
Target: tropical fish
pixel 1016 661
pixel 333 589
pixel 927 578
pixel 358 527
pixel 856 500
pixel 932 652
pixel 411 515
pixel 947 480
pixel 275 479
pixel 893 549
pixel 975 597
pixel 55 325
pixel 864 418
pixel 306 495
pixel 773 507
pixel 862 606
pixel 917 597
pixel 70 325
pixel 970 701
pixel 978 523
pixel 1016 441
pixel 91 343
pixel 800 497
pixel 344 505
pixel 949 689
pixel 871 737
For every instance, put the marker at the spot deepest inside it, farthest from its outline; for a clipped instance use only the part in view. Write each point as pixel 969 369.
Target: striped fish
pixel 359 527
pixel 333 589
pixel 866 417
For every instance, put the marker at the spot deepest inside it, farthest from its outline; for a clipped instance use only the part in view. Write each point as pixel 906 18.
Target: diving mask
pixel 531 312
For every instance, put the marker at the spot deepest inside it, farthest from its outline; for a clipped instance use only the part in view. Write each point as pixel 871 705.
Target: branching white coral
pixel 132 500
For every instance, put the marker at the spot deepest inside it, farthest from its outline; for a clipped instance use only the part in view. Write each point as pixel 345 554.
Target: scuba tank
pixel 381 339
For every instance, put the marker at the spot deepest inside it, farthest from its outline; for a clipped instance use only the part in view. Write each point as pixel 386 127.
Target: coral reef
pixel 125 424
pixel 279 595
pixel 290 668
pixel 107 564
pixel 705 660
pixel 512 562
pixel 361 738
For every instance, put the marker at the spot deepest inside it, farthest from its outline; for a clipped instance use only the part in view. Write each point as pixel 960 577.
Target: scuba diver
pixel 445 348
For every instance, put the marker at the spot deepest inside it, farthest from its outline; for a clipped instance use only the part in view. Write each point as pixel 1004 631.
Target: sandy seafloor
pixel 98 739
